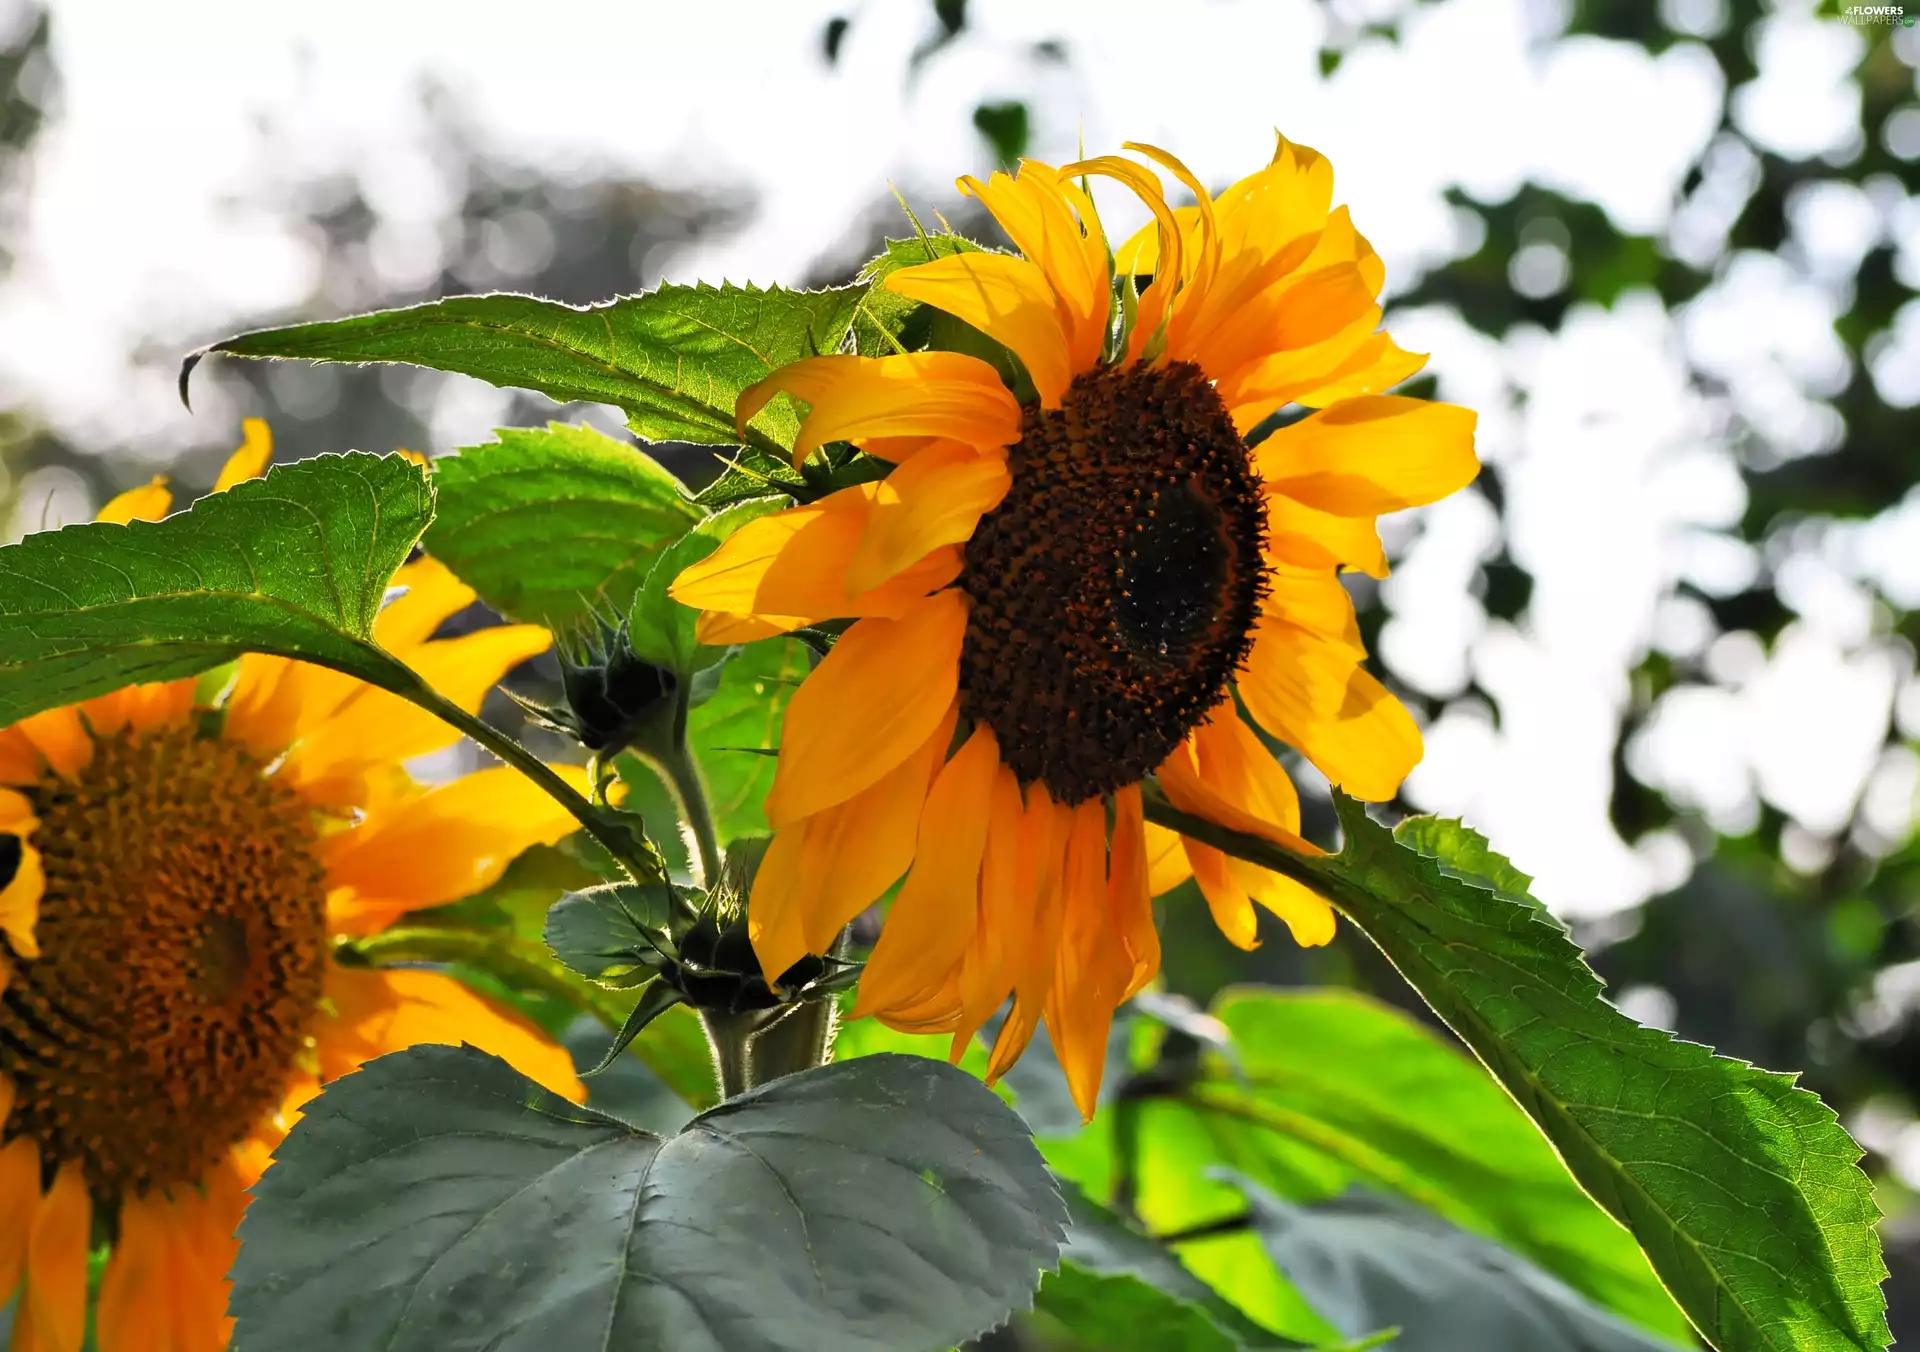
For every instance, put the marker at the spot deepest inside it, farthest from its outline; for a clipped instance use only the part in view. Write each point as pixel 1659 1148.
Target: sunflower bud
pixel 612 694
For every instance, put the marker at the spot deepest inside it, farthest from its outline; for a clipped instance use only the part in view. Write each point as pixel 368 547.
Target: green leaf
pixel 1121 1313
pixel 296 563
pixel 733 733
pixel 1100 1244
pixel 1370 1263
pixel 598 932
pixel 1463 852
pixel 553 524
pixel 660 629
pixel 1387 1103
pixel 885 318
pixel 1743 1189
pixel 655 1000
pixel 674 359
pixel 439 1201
pixel 673 1047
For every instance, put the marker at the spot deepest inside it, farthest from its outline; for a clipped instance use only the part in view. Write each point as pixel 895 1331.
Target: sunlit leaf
pixel 296 563
pixel 674 359
pixel 552 524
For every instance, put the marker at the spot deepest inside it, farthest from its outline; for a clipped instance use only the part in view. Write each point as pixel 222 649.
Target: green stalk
pixel 592 819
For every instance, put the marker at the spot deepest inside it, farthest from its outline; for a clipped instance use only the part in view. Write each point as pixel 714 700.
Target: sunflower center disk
pixel 182 941
pixel 1116 586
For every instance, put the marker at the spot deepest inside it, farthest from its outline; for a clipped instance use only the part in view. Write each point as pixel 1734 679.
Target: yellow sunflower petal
pixel 375 1012
pixel 1036 208
pixel 1314 695
pixel 376 727
pixel 1129 889
pixel 1044 830
pixel 52 1314
pixel 20 760
pixel 1180 777
pixel 20 903
pixel 432 596
pixel 986 972
pixel 1306 537
pixel 1306 913
pixel 1167 863
pixel 1366 456
pixel 149 502
pixel 1006 298
pixel 1227 900
pixel 874 699
pixel 447 843
pixel 819 874
pixel 1232 760
pixel 932 920
pixel 19 1200
pixel 910 394
pixel 1156 304
pixel 250 461
pixel 1374 368
pixel 60 737
pixel 934 499
pixel 1093 966
pixel 1314 600
pixel 275 700
pixel 796 567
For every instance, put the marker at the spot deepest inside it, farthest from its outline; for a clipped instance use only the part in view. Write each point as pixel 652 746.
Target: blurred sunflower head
pixel 1057 599
pixel 172 876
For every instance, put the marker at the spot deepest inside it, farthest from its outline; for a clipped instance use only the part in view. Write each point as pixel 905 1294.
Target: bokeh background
pixel 1664 648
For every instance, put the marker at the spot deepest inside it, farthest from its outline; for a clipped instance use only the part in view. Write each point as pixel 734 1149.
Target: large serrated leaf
pixel 553 524
pixel 673 359
pixel 439 1201
pixel 1743 1189
pixel 296 564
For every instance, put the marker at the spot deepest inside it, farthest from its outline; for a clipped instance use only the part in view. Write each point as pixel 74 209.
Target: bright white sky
pixel 146 219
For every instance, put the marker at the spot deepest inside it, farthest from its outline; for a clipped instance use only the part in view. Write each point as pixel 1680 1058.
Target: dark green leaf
pixel 553 524
pixel 1426 1122
pixel 1743 1189
pixel 605 933
pixel 674 359
pixel 1369 1263
pixel 296 564
pixel 438 1201
pixel 655 999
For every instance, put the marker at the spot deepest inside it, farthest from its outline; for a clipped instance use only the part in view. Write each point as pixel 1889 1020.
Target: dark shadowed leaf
pixel 438 1201
pixel 674 359
pixel 552 524
pixel 295 564
pixel 1369 1263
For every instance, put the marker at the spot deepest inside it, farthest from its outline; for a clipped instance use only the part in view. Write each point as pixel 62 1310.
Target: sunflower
pixel 1058 598
pixel 175 872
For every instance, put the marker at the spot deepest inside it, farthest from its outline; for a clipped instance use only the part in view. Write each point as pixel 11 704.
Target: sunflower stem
pixel 730 1036
pixel 614 835
pixel 689 789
